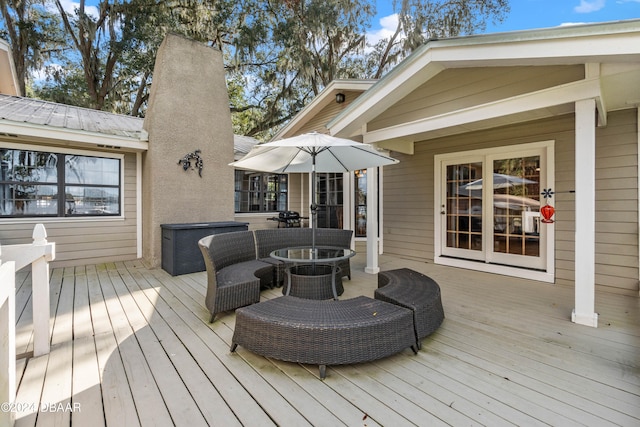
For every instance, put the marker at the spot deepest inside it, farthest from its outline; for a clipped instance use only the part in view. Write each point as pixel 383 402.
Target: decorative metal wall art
pixel 186 162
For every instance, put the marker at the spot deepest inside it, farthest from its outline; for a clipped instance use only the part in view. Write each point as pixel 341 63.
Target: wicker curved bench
pixel 324 333
pixel 417 292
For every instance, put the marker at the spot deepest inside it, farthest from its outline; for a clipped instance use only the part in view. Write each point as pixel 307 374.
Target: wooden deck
pixel 132 346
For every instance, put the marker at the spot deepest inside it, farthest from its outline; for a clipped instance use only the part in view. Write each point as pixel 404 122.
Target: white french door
pixel 490 206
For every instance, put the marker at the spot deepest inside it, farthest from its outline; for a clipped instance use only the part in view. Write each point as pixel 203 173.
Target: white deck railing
pixel 12 259
pixel 7 340
pixel 38 254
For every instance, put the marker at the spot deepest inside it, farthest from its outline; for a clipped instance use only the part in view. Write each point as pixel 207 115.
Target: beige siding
pixel 459 88
pixel 299 193
pixel 409 195
pixel 319 121
pixel 85 241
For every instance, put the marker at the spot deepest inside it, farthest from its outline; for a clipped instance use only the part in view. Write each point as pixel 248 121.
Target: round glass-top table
pixel 307 255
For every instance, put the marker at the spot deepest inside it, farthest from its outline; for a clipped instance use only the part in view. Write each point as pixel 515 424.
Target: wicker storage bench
pixel 415 291
pixel 324 333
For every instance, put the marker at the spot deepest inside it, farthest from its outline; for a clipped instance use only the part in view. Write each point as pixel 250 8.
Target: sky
pixel 532 14
pixel 524 15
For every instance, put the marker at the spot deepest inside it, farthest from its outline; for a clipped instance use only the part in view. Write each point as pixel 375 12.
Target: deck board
pixel 133 346
pixel 117 400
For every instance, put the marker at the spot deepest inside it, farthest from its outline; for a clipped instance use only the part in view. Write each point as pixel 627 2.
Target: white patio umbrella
pixel 311 153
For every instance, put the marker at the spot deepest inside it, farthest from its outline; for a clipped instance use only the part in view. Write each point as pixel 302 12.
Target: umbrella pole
pixel 314 206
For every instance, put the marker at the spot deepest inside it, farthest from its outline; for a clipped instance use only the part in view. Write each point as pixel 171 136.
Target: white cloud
pixel 70 6
pixel 588 6
pixel 388 26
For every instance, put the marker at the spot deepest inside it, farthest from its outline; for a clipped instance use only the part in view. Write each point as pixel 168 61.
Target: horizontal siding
pixel 408 195
pixel 459 88
pixel 87 241
pixel 318 122
pixel 617 203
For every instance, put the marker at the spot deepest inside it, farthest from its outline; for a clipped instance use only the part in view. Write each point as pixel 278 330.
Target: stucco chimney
pixel 188 111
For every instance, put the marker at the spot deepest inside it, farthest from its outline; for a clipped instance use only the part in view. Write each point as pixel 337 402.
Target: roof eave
pixel 26 132
pixel 543 46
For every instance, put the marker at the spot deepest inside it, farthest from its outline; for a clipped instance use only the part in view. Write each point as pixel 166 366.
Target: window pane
pixel 516 205
pixel 29 166
pixel 464 206
pixel 92 170
pixel 19 200
pixel 92 201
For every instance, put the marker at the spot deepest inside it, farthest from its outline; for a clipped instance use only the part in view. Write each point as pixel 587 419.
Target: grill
pixel 288 219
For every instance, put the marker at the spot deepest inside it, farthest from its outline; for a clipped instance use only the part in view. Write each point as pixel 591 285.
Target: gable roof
pixel 617 42
pixel 324 99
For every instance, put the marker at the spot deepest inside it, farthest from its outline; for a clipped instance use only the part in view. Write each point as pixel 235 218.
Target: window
pixel 260 192
pixel 47 184
pixel 360 202
pixel 329 196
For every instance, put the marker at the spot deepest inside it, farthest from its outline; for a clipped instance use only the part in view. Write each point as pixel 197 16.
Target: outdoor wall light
pixel 340 98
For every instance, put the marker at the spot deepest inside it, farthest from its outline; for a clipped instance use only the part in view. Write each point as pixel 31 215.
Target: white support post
pixel 585 145
pixel 372 221
pixel 7 341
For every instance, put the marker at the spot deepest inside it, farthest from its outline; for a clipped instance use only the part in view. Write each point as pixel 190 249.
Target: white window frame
pixel 547 273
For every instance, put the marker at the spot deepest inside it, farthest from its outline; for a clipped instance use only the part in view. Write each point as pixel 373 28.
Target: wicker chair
pixel 233 274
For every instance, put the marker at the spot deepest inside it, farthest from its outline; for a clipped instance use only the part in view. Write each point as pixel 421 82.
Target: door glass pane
pixel 516 206
pixel 361 202
pixel 329 198
pixel 463 208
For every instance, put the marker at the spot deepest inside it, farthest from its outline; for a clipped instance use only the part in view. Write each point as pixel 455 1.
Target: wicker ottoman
pixel 325 332
pixel 415 291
